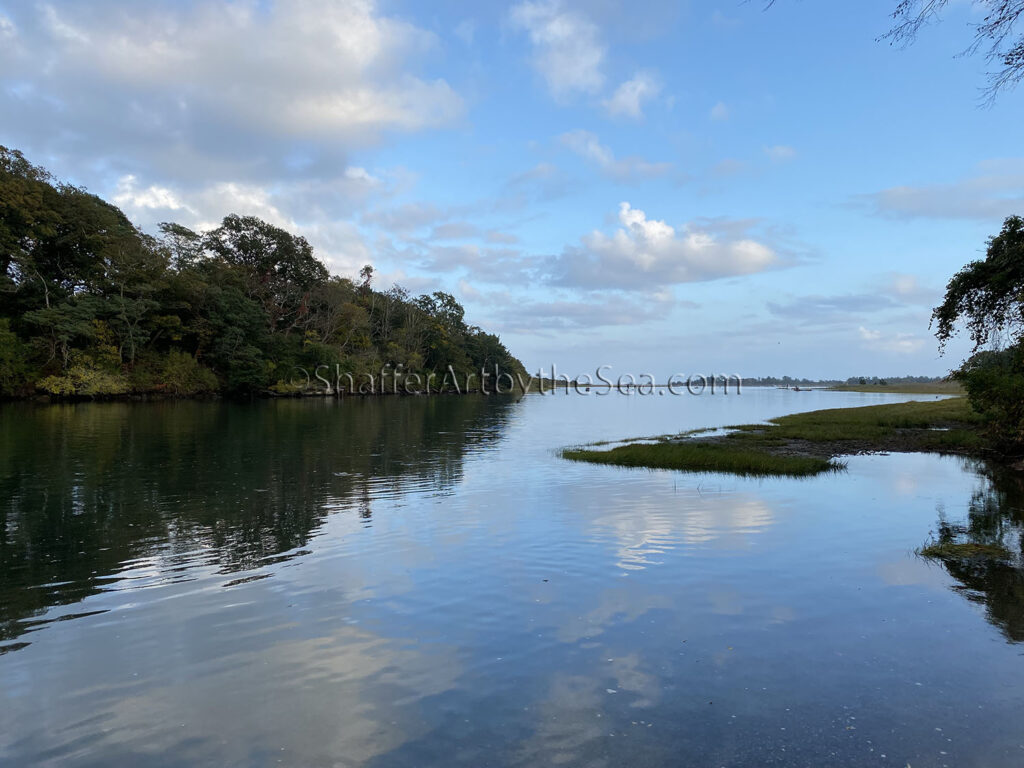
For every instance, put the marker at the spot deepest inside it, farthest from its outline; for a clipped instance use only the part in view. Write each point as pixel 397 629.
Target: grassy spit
pixel 965 550
pixel 925 388
pixel 804 443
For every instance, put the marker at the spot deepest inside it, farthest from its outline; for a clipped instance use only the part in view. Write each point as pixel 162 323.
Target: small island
pixel 804 444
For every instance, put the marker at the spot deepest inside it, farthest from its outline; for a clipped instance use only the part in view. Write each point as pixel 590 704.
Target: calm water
pixel 423 582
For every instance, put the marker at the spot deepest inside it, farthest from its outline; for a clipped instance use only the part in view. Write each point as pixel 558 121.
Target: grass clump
pixel 964 550
pixel 696 456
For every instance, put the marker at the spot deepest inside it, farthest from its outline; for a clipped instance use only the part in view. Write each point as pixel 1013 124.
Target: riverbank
pixel 803 444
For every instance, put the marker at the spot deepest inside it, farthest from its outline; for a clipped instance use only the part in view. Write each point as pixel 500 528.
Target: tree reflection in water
pixel 93 492
pixel 994 524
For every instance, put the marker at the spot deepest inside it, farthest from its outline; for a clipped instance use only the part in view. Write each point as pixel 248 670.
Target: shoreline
pixel 160 397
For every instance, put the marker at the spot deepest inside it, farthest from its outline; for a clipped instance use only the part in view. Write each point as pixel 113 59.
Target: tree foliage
pixel 987 296
pixel 995 35
pixel 91 306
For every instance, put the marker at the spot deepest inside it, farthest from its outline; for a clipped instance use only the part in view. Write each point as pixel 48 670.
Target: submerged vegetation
pixel 90 306
pixel 804 443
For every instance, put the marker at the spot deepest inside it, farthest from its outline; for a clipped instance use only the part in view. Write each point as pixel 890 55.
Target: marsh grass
pixel 801 444
pixel 705 457
pixel 871 422
pixel 922 388
pixel 964 550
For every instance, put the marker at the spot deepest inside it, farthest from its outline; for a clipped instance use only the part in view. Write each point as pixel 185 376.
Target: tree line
pixel 91 306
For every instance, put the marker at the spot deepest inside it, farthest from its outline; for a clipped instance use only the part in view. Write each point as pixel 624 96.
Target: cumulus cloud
pixel 308 208
pixel 568 51
pixel 720 112
pixel 589 147
pixel 995 191
pixel 630 97
pixel 648 252
pixel 206 82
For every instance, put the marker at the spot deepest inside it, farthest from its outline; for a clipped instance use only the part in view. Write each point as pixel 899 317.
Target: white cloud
pixel 896 343
pixel 589 147
pixel 132 200
pixel 780 153
pixel 194 87
pixel 720 112
pixel 337 241
pixel 648 252
pixel 569 53
pixel 629 98
pixel 995 191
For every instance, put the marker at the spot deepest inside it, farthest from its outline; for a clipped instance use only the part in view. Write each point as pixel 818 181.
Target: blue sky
pixel 656 186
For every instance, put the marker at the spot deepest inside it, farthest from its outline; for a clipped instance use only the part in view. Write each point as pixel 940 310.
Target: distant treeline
pixel 788 381
pixel 90 306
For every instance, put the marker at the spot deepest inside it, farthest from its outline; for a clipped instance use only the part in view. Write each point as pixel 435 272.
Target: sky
pixel 655 186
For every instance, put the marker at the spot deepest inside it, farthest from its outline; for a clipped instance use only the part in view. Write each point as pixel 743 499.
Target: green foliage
pixel 93 307
pixel 995 387
pixel 13 361
pixel 988 295
pixel 183 375
pixel 86 378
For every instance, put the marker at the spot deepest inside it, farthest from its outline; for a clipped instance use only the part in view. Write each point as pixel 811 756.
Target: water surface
pixel 422 581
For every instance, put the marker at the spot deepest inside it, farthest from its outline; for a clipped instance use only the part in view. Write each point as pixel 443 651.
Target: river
pixel 423 581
